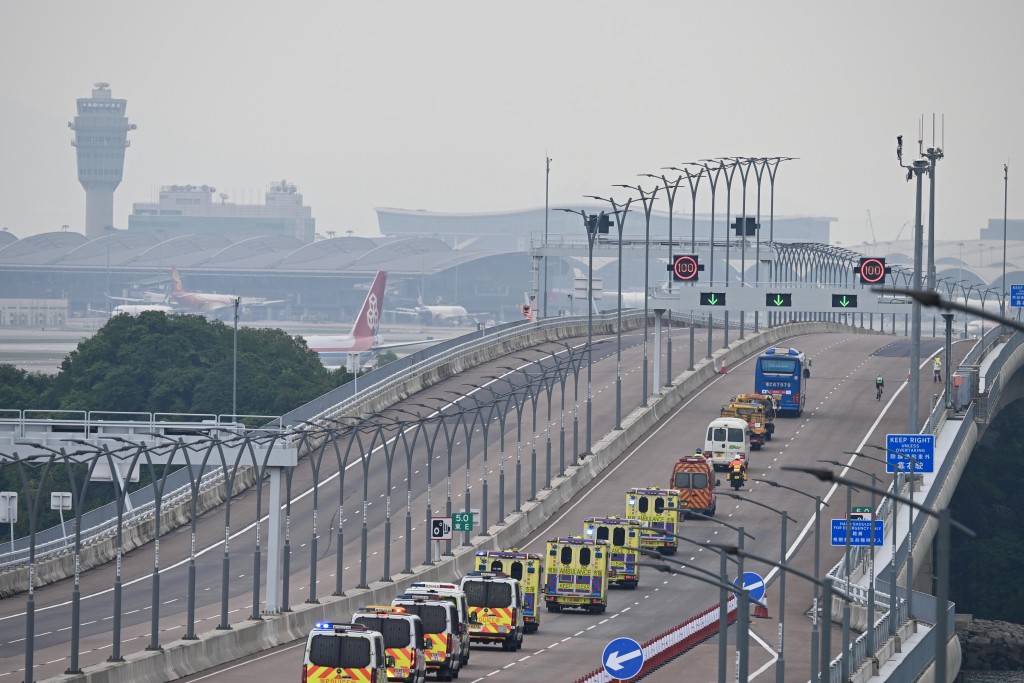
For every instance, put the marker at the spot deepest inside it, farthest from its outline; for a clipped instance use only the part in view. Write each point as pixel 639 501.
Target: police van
pixel 527 569
pixel 403 640
pixel 495 608
pixel 623 536
pixel 442 644
pixel 345 652
pixel 454 594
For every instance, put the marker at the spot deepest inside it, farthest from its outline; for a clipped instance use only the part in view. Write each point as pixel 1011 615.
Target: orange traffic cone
pixel 761 611
pixel 723 365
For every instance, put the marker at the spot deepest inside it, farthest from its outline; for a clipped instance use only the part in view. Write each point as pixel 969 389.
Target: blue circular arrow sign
pixel 622 658
pixel 752 582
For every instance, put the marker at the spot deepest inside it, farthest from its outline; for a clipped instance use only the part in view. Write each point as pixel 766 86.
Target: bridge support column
pixel 274 543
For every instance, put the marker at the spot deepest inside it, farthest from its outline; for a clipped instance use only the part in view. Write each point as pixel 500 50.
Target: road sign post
pixel 441 529
pixel 462 521
pixel 860 532
pixel 1017 296
pixel 622 658
pixel 921 447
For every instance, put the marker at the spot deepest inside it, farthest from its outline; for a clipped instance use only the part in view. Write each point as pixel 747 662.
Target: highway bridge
pixel 504 468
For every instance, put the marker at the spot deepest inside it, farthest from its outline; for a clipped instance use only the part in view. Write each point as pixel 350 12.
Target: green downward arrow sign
pixel 844 301
pixel 779 300
pixel 713 300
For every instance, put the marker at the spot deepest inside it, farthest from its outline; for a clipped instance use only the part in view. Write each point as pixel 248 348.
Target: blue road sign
pixel 860 532
pixel 921 447
pixel 622 658
pixel 1017 296
pixel 752 582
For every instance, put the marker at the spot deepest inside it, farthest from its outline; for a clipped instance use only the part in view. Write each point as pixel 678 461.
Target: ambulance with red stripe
pixel 659 509
pixel 442 647
pixel 576 574
pixel 403 640
pixel 345 652
pixel 495 609
pixel 623 536
pixel 527 569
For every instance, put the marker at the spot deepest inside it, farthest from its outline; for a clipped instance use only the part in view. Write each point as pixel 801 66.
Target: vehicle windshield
pixel 396 632
pixel 488 593
pixel 339 652
pixel 433 616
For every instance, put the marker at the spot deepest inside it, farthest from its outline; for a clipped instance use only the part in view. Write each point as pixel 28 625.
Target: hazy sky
pixel 452 106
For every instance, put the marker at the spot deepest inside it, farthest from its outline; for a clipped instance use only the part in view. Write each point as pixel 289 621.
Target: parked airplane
pixel 363 339
pixel 135 309
pixel 208 302
pixel 437 313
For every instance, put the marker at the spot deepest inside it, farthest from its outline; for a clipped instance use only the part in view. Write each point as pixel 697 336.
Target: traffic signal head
pixel 599 223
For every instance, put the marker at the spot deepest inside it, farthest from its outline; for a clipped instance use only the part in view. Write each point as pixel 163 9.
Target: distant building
pixel 101 136
pixel 191 210
pixel 994 231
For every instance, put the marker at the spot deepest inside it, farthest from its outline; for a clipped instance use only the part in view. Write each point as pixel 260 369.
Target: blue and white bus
pixel 781 372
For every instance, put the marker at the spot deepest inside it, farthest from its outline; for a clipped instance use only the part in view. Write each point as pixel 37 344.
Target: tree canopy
pixel 161 363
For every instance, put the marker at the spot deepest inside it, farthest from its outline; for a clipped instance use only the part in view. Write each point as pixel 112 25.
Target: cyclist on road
pixel 879 385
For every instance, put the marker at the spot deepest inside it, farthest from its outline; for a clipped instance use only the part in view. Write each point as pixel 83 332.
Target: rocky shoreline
pixel 991 645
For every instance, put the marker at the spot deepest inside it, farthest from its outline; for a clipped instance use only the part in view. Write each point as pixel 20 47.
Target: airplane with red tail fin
pixel 363 339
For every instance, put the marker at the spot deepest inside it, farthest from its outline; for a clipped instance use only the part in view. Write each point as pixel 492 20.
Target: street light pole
pixel 1006 187
pixel 818 503
pixel 547 180
pixel 780 662
pixel 593 224
pixel 942 571
pixel 620 219
pixel 647 198
pixel 917 168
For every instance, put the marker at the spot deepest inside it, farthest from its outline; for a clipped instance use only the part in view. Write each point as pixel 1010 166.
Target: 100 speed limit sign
pixel 440 528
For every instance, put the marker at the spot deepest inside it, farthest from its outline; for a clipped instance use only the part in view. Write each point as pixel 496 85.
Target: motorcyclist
pixel 737 473
pixel 699 453
pixel 738 462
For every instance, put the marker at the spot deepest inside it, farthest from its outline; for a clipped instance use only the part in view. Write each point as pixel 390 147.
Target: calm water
pixel 994 677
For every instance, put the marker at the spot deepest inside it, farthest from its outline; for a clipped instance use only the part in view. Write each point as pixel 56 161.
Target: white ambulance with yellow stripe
pixel 527 569
pixel 495 609
pixel 345 652
pixel 442 647
pixel 403 640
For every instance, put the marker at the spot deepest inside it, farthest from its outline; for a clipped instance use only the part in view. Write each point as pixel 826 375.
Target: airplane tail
pixel 369 315
pixel 178 287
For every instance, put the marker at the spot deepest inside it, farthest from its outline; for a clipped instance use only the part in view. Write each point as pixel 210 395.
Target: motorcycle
pixel 737 479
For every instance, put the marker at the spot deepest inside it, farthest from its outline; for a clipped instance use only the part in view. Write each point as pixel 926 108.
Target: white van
pixel 728 438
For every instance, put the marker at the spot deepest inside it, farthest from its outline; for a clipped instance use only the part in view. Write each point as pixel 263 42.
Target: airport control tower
pixel 101 136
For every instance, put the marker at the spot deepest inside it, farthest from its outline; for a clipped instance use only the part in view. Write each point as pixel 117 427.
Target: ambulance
pixel 442 647
pixel 454 594
pixel 576 574
pixel 658 509
pixel 694 478
pixel 495 609
pixel 623 536
pixel 403 640
pixel 527 568
pixel 345 652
